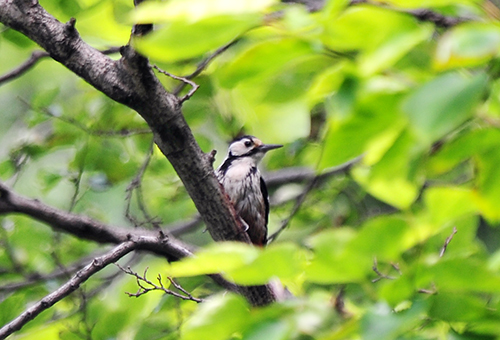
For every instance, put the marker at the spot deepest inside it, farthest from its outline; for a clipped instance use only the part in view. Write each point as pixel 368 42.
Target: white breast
pixel 240 169
pixel 240 180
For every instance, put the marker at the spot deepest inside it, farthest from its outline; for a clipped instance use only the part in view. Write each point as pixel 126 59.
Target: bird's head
pixel 249 146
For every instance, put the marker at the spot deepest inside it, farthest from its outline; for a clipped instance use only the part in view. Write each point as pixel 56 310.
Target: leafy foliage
pixel 368 255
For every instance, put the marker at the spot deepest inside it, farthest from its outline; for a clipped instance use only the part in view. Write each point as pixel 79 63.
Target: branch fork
pixel 146 286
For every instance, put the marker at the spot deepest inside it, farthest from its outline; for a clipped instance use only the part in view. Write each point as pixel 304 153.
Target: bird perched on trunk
pixel 244 185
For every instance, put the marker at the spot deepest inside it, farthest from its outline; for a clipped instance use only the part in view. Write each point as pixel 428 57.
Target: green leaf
pixel 392 179
pixel 194 10
pixel 427 3
pixel 325 83
pixel 98 24
pixel 180 40
pixel 393 49
pixel 292 118
pixel 385 238
pixel 442 104
pixel 218 258
pixel 382 323
pixel 217 318
pixel 10 308
pixel 337 264
pixel 468 45
pixel 45 97
pixel 448 203
pixel 460 275
pixel 270 330
pixel 49 179
pixel 108 156
pixel 462 148
pixel 455 307
pixel 290 82
pixel 284 261
pixel 364 28
pixel 111 324
pixel 397 290
pixel 488 184
pixel 262 60
pixel 357 122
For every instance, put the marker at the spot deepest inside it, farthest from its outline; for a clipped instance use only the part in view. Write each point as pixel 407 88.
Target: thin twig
pixel 302 174
pixel 184 80
pixel 313 181
pixel 35 57
pixel 447 241
pixel 176 285
pixel 431 291
pixel 34 278
pixel 380 275
pixel 78 179
pixel 203 64
pixel 81 294
pixel 136 185
pixel 396 267
pixel 146 286
pixel 70 286
pixel 93 132
pixel 298 203
pixel 17 72
pixel 182 228
pixel 9 252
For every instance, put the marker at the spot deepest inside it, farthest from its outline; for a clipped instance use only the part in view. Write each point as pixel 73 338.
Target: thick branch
pixel 132 82
pixel 83 275
pixel 89 229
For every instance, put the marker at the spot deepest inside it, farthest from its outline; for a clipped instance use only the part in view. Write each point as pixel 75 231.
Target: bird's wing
pixel 263 189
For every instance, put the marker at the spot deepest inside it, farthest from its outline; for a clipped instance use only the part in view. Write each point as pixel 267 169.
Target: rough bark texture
pixel 132 82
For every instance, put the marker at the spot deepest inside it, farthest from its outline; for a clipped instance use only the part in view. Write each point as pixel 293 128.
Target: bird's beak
pixel 267 147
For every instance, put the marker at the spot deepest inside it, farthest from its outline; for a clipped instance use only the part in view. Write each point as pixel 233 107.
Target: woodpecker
pixel 244 185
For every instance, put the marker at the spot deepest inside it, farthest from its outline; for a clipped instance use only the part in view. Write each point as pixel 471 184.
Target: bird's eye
pixel 248 143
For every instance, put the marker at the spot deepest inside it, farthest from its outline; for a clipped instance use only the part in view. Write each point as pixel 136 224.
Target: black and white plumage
pixel 244 185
